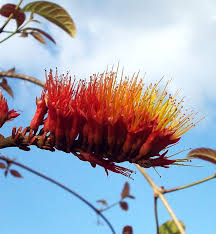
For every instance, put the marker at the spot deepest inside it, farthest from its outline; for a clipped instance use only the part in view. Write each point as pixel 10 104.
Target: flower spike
pixel 108 120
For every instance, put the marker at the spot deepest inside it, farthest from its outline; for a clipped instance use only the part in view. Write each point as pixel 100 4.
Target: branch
pixel 156 213
pixel 189 185
pixel 61 186
pixel 11 142
pixel 159 193
pixel 22 77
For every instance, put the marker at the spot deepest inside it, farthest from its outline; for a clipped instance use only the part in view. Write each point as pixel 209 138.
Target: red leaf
pixel 38 37
pixel 206 154
pixel 40 31
pixel 23 34
pixel 2 165
pixel 127 230
pixel 125 191
pixel 6 87
pixel 11 69
pixel 18 15
pixel 103 202
pixel 123 205
pixel 15 173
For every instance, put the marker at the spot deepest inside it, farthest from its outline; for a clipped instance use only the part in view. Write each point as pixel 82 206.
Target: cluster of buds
pixel 109 120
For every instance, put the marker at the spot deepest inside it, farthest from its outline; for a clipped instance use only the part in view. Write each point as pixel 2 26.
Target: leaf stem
pixel 10 16
pixel 6 31
pixel 22 77
pixel 159 192
pixel 61 186
pixel 189 185
pixel 110 206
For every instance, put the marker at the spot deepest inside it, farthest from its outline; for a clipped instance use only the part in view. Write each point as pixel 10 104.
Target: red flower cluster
pixel 5 114
pixel 105 121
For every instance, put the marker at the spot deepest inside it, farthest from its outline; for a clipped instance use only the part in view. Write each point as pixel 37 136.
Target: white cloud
pixel 170 38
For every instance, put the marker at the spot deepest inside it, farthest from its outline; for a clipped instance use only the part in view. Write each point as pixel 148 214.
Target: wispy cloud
pixel 171 39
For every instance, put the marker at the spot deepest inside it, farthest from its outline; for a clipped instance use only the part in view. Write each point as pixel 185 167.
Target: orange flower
pixel 104 121
pixel 5 114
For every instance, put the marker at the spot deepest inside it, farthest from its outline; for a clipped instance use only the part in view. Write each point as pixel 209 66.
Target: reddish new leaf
pixel 2 165
pixel 15 173
pixel 123 205
pixel 103 202
pixel 11 69
pixel 206 154
pixel 41 32
pixel 23 34
pixel 126 191
pixel 127 230
pixel 6 87
pixel 18 14
pixel 38 37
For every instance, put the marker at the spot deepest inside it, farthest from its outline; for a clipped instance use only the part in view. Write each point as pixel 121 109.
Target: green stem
pixel 10 17
pixel 6 31
pixel 189 185
pixel 159 193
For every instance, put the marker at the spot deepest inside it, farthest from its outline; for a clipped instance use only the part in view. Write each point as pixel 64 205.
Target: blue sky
pixel 174 39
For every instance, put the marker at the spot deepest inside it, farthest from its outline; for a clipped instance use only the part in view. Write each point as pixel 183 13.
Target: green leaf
pixel 206 154
pixel 170 228
pixel 54 13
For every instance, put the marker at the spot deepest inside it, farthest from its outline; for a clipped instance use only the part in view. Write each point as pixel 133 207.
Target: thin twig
pixel 10 16
pixel 156 213
pixel 189 185
pixel 158 192
pixel 6 31
pixel 110 206
pixel 61 186
pixel 22 77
